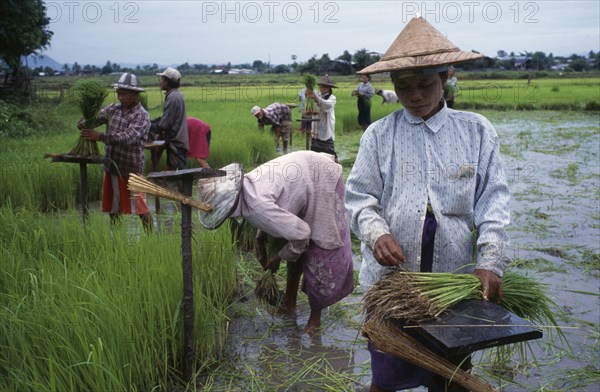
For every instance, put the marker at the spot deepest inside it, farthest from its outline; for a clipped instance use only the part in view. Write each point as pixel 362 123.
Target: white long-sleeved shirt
pixel 326 124
pixel 294 197
pixel 451 161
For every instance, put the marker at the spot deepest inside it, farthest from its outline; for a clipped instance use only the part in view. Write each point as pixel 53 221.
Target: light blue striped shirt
pixel 451 161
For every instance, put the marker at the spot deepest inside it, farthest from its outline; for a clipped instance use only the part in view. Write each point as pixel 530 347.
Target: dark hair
pixel 172 83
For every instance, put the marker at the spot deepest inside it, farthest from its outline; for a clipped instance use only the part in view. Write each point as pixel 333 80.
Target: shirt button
pixel 419 258
pixel 423 218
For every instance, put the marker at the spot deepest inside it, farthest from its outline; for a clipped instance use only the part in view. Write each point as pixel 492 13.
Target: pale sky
pixel 218 32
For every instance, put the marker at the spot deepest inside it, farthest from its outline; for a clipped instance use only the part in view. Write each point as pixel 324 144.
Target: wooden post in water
pixel 83 189
pixel 187 177
pixel 189 345
pixel 83 177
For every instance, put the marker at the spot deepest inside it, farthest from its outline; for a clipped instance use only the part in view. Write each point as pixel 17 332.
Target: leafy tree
pixel 106 69
pixel 578 64
pixel 281 68
pixel 363 58
pixel 24 30
pixel 259 66
pixel 346 59
pixel 539 61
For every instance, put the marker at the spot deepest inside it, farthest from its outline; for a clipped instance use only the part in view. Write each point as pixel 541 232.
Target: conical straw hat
pixel 419 45
pixel 222 193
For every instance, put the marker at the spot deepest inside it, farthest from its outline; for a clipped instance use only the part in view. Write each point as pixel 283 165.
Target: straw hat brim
pixel 426 61
pixel 222 193
pixel 419 45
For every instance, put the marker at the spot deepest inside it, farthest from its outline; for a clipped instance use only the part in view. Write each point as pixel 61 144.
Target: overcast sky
pixel 218 32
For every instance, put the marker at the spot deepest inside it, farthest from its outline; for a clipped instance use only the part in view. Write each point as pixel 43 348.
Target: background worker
pixel 388 96
pixel 427 190
pixel 172 125
pixel 363 93
pixel 279 117
pixel 323 139
pixel 199 135
pixel 450 88
pixel 126 134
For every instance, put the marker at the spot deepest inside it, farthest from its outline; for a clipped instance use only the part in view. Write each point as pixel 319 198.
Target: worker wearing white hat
pixel 427 187
pixel 172 126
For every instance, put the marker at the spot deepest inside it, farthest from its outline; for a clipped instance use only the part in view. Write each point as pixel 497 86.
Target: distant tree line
pixel 348 64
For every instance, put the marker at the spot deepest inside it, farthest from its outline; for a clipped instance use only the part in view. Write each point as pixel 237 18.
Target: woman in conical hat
pixel 425 179
pixel 323 140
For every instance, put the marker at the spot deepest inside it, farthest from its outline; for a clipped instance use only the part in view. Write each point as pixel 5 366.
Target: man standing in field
pixel 125 137
pixel 172 126
pixel 427 189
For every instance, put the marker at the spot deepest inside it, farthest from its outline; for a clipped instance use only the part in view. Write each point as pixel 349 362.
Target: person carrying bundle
pixel 323 141
pixel 125 137
pixel 298 197
pixel 427 187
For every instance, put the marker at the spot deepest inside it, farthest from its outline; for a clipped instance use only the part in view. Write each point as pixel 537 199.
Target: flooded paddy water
pixel 553 168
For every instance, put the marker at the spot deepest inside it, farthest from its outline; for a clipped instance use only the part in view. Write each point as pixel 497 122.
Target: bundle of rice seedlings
pixel 267 290
pixel 310 81
pixel 137 183
pixel 89 96
pixel 420 297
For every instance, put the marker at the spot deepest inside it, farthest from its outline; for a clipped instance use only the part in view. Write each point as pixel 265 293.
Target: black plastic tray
pixel 474 325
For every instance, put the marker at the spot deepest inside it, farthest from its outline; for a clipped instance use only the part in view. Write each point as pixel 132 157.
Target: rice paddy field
pixel 94 307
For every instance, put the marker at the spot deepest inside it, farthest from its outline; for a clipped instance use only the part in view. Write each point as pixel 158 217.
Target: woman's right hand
pixel 273 264
pixel 388 252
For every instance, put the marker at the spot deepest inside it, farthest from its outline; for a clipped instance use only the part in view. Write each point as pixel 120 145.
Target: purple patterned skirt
pixel 327 274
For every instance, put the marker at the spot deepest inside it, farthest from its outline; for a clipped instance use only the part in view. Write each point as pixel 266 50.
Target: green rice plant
pixel 87 308
pixel 310 82
pixel 89 95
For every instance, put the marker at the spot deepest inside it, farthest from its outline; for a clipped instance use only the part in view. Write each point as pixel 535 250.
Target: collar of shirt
pixel 434 124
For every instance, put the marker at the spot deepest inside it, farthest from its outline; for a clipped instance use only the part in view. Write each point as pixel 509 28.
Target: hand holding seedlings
pixel 491 284
pixel 273 264
pixel 90 134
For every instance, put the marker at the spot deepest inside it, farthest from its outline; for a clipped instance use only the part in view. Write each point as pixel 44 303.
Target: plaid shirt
pixel 125 138
pixel 276 114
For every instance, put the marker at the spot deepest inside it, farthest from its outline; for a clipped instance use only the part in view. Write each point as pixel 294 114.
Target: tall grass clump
pixel 93 308
pixel 89 96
